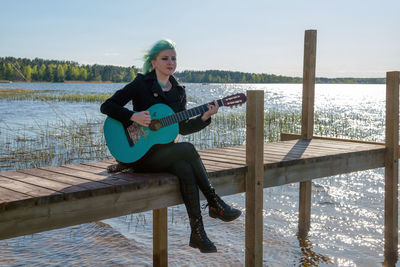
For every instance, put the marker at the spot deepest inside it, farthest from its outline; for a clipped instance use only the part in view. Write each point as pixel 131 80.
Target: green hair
pixel 152 53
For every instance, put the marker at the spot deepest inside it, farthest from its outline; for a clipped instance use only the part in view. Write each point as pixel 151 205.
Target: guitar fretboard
pixel 186 114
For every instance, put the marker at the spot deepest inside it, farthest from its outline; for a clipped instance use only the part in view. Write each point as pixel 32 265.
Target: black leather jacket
pixel 144 91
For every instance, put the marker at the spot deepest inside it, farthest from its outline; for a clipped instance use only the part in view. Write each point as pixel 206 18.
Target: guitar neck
pixel 186 114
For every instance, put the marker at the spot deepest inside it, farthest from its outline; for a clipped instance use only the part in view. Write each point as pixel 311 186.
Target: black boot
pixel 217 207
pixel 198 237
pixel 190 196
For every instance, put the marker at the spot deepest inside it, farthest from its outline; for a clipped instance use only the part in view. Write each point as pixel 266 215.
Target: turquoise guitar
pixel 130 144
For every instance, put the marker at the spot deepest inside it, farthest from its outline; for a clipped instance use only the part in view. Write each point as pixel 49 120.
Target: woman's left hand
pixel 212 109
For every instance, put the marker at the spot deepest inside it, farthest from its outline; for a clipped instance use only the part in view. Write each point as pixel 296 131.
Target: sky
pixel 355 38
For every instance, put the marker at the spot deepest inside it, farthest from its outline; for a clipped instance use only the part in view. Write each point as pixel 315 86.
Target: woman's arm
pixel 114 106
pixel 198 123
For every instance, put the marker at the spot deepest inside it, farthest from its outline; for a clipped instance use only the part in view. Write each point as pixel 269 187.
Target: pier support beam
pixel 254 177
pixel 307 123
pixel 160 237
pixel 391 167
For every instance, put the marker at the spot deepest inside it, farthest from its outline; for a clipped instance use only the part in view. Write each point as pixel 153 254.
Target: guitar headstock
pixel 234 100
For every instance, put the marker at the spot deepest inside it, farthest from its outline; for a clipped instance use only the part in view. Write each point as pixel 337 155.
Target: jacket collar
pixel 152 76
pixel 155 87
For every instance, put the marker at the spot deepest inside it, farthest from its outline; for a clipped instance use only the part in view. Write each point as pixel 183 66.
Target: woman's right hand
pixel 143 118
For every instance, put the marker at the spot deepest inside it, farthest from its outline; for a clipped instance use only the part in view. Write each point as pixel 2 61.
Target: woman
pixel 157 85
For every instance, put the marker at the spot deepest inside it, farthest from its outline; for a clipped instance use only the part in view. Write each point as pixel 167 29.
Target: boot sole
pixel 202 250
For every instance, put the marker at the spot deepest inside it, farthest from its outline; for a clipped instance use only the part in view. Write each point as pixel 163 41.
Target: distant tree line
pixel 41 70
pixel 23 69
pixel 219 76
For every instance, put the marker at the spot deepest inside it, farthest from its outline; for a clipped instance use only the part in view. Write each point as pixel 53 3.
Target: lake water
pixel 347 210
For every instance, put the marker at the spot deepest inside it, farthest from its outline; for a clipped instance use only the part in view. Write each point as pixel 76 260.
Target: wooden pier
pixel 36 200
pixel 42 199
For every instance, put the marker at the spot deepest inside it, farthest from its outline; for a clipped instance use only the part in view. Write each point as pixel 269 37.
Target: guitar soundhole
pixel 155 125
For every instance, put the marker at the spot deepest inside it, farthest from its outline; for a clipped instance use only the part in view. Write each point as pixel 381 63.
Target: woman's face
pixel 165 62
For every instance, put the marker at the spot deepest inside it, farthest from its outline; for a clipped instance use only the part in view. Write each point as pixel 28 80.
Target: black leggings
pixel 182 160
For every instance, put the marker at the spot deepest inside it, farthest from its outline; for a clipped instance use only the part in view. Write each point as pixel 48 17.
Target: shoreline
pixel 57 82
pixel 201 83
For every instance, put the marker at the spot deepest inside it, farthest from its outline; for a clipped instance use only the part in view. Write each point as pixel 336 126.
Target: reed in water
pixel 68 142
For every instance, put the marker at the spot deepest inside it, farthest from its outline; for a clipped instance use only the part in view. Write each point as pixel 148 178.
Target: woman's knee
pixel 184 171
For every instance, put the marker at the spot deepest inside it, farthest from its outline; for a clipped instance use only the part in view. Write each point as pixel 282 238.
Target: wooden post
pixel 391 167
pixel 160 237
pixel 307 123
pixel 307 116
pixel 254 177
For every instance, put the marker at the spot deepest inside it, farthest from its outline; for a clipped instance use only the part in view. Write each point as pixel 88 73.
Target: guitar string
pixel 180 116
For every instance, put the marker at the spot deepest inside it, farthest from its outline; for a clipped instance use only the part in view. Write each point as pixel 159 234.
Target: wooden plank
pixel 240 159
pixel 217 158
pixel 35 180
pixel 114 181
pixel 25 188
pixel 74 176
pixel 310 152
pixel 109 184
pixel 288 136
pixel 48 173
pixel 391 167
pixel 328 145
pixel 273 156
pixel 109 161
pixel 212 165
pixel 10 199
pixel 98 164
pixel 297 151
pixel 87 168
pixel 75 187
pixel 294 153
pixel 160 237
pixel 254 178
pixel 279 153
pixel 313 146
pixel 277 150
